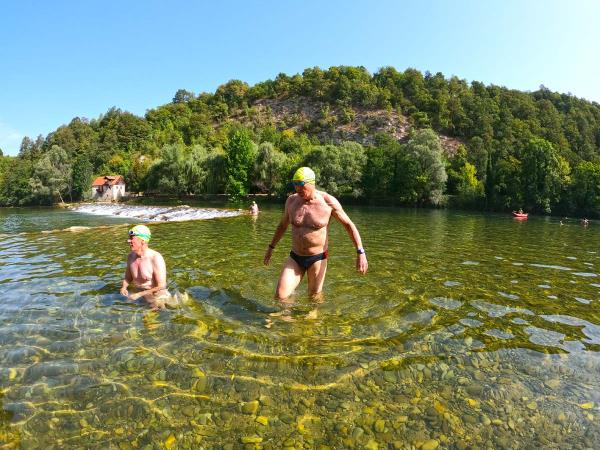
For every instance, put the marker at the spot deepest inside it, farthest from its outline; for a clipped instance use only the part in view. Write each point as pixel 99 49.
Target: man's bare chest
pixel 141 268
pixel 311 216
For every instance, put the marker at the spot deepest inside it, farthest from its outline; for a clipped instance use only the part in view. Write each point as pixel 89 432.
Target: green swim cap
pixel 304 174
pixel 141 231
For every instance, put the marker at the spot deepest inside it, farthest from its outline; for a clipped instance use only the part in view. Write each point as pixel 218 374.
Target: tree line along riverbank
pixel 397 138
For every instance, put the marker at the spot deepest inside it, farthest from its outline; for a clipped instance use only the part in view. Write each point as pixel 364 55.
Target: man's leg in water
pixel 290 278
pixel 316 278
pixel 158 300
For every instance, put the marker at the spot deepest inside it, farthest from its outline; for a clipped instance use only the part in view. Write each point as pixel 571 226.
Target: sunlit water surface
pixel 468 331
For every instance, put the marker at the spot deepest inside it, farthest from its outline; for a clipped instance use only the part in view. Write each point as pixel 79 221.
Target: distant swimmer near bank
pixel 146 270
pixel 309 212
pixel 253 209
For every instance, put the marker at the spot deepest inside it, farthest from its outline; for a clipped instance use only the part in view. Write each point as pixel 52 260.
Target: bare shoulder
pixel 156 255
pixel 292 201
pixel 331 200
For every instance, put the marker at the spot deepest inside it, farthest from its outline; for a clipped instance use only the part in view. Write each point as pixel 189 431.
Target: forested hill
pixel 388 138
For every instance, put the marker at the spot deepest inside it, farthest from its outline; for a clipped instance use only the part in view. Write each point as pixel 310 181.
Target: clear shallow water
pixel 23 220
pixel 468 331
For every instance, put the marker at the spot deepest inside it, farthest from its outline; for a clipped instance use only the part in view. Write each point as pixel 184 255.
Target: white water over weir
pixel 154 213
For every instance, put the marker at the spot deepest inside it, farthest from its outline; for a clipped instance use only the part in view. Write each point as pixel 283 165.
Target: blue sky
pixel 63 59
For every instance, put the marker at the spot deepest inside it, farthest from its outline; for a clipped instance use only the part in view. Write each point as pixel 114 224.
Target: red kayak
pixel 518 215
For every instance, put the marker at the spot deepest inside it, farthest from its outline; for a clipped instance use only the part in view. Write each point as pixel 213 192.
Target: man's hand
pixel 124 292
pixel 268 255
pixel 361 263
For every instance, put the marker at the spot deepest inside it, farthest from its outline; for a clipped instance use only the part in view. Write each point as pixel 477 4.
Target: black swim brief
pixel 306 261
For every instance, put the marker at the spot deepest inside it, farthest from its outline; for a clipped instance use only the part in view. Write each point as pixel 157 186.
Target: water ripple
pixel 495 310
pixel 550 266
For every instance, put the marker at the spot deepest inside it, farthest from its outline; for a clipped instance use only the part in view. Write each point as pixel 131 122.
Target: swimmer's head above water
pixel 140 231
pixel 302 176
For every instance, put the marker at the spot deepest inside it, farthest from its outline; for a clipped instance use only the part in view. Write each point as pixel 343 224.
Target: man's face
pixel 135 243
pixel 304 190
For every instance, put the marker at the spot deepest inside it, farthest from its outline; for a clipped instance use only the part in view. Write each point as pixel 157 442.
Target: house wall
pixel 118 191
pixel 97 192
pixel 107 193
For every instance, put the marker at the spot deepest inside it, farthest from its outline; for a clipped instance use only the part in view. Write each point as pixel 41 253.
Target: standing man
pixel 146 269
pixel 309 212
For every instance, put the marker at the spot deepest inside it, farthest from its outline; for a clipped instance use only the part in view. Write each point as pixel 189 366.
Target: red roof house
pixel 108 188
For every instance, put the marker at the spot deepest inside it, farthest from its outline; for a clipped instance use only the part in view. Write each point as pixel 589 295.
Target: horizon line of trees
pixel 539 151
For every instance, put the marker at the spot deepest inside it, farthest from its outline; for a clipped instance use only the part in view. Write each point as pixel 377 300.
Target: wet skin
pixel 146 270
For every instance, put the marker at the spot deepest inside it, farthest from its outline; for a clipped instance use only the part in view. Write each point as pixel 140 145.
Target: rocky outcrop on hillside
pixel 336 124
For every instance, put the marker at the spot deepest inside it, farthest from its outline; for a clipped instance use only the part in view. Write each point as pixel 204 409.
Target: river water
pixel 469 331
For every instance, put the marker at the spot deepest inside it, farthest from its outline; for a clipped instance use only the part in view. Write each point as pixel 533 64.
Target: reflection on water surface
pixel 469 331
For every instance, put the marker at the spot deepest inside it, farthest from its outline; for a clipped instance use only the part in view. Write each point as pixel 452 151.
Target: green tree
pixel 415 90
pixel 241 153
pixel 314 83
pixel 438 107
pixel 52 175
pixel 544 174
pixel 378 174
pixel 269 168
pixel 82 178
pixel 167 174
pixel 5 164
pixel 469 190
pixel 420 119
pixel 456 163
pixel 30 149
pixel 183 96
pixel 195 170
pixel 426 151
pixel 585 189
pixel 15 189
pixel 121 132
pixel 478 156
pixel 389 80
pixel 169 124
pixel 339 169
pixel 118 164
pixel 216 168
pixel 138 174
pixel 503 181
pixel 76 138
pixel 232 93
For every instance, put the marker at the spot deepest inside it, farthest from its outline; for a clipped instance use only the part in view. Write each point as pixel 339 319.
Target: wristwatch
pixel 360 251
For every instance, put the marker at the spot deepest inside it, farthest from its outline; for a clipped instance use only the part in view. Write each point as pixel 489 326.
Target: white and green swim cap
pixel 304 174
pixel 141 231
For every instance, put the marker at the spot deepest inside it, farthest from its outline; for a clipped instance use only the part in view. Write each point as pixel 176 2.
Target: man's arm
pixel 338 212
pixel 126 281
pixel 279 232
pixel 160 273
